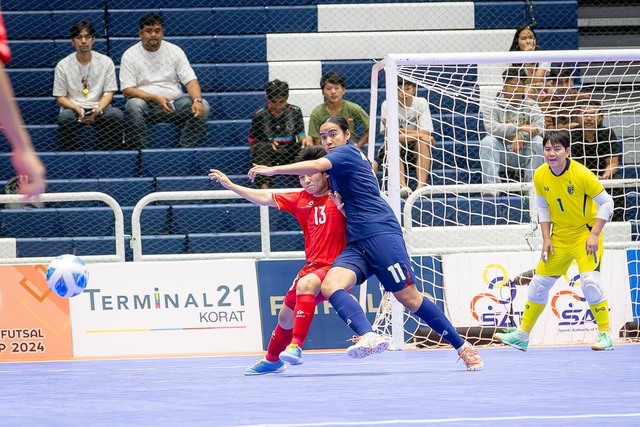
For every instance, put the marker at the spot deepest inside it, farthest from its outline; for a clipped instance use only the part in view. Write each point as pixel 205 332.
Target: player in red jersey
pixel 28 165
pixel 323 226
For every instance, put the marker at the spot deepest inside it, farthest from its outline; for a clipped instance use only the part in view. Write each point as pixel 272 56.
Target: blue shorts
pixel 384 255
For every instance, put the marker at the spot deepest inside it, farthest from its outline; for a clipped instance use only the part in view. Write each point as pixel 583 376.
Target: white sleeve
pixel 60 87
pixel 183 67
pixel 424 115
pixel 544 213
pixel 605 205
pixel 383 116
pixel 127 70
pixel 110 82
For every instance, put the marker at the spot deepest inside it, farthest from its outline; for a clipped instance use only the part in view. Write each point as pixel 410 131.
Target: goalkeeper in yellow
pixel 570 198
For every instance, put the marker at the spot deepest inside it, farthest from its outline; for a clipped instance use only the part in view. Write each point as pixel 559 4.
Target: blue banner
pixel 328 331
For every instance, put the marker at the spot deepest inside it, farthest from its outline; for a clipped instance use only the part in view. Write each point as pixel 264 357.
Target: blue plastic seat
pixel 224 242
pixel 126 191
pixel 216 218
pixel 159 245
pixel 287 241
pixel 508 14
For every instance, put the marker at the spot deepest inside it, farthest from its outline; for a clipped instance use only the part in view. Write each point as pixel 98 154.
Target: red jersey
pixel 323 225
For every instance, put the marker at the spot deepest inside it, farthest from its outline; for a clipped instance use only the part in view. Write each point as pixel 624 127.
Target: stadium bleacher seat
pixel 216 218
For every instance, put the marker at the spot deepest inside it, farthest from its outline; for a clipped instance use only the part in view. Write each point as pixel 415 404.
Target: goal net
pixel 462 136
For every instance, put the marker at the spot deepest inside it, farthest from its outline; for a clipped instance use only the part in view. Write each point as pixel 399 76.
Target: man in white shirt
pixel 151 74
pixel 416 127
pixel 83 86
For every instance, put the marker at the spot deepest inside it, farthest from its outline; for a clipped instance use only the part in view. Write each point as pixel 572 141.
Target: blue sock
pixel 436 320
pixel 350 311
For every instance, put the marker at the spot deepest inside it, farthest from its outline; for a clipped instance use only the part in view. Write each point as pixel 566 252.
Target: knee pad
pixel 591 287
pixel 539 288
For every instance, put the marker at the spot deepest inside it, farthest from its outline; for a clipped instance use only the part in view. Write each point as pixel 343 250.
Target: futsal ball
pixel 67 276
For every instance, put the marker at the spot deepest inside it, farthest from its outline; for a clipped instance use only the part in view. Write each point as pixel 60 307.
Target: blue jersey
pixel 368 214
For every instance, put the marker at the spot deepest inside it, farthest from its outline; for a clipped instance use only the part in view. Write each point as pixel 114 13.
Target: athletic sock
pixel 280 339
pixel 436 320
pixel 532 310
pixel 601 314
pixel 303 315
pixel 350 312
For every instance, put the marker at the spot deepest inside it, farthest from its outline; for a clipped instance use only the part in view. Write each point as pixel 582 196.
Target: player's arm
pixel 611 167
pixel 605 210
pixel 259 197
pixel 24 157
pixel 308 167
pixel 544 219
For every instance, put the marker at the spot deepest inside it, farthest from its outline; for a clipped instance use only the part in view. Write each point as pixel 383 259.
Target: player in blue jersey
pixel 374 245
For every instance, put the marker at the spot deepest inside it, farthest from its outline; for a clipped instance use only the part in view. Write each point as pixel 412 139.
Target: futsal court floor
pixel 546 386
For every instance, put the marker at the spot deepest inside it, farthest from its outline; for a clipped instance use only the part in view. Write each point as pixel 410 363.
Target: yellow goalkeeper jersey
pixel 570 198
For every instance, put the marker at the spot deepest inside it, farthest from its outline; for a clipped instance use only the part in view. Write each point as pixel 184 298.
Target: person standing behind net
pixel 28 166
pixel 84 85
pixel 152 73
pixel 514 126
pixel 572 199
pixel 277 131
pixel 415 128
pixel 323 225
pixel 375 245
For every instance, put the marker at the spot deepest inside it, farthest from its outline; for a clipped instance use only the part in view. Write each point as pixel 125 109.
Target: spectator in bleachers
pixel 514 126
pixel 415 127
pixel 559 99
pixel 151 74
pixel 525 40
pixel 333 88
pixel 84 85
pixel 597 148
pixel 28 166
pixel 277 131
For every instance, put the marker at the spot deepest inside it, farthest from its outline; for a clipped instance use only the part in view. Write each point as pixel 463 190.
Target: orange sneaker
pixel 471 358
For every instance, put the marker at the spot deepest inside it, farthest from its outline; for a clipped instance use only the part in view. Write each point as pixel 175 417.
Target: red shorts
pixel 321 272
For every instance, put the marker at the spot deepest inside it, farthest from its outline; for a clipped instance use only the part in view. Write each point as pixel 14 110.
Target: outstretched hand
pixel 260 170
pixel 218 176
pixel 28 165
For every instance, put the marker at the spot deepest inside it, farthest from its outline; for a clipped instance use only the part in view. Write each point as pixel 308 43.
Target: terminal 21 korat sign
pixel 156 308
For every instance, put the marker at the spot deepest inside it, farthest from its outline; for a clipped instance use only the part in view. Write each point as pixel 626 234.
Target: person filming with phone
pixel 83 86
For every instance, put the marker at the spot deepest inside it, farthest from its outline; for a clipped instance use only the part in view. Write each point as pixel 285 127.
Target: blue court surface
pixel 563 386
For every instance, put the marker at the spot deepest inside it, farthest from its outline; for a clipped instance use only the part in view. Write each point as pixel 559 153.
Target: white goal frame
pixel 417 238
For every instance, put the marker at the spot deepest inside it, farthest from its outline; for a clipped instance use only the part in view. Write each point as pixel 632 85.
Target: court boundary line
pixel 447 420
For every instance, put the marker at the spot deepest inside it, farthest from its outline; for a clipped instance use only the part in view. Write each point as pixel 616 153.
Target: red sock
pixel 280 339
pixel 303 311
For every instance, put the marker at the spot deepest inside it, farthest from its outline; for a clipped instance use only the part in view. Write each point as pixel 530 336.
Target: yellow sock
pixel 532 310
pixel 601 314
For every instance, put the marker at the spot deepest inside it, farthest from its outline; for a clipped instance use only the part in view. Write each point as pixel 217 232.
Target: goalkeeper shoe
pixel 292 354
pixel 513 339
pixel 366 345
pixel 471 358
pixel 263 366
pixel 604 342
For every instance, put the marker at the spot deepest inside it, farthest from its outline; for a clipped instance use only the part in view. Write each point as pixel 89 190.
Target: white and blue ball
pixel 67 276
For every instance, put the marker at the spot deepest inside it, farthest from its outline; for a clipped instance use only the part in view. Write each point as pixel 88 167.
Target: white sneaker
pixel 368 344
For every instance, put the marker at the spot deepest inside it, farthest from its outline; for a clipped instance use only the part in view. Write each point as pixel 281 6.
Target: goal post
pixel 489 227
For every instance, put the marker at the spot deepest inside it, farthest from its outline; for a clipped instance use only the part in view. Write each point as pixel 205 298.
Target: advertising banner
pixel 479 291
pixel 328 331
pixel 179 307
pixel 34 323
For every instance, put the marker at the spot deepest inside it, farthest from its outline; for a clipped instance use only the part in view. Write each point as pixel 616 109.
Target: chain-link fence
pixel 128 149
pixel 609 24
